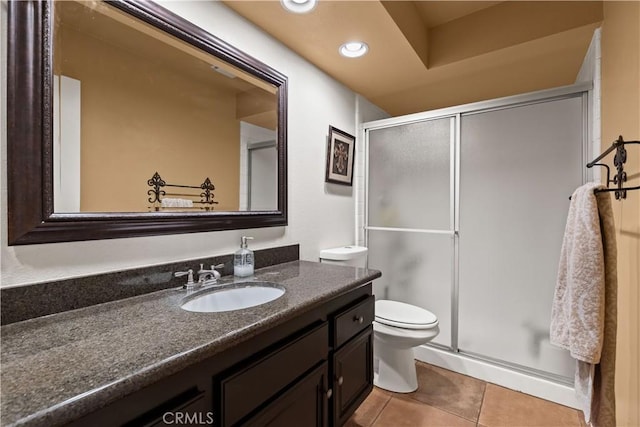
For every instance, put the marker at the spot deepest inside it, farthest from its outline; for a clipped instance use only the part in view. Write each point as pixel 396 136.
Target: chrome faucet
pixel 190 283
pixel 209 277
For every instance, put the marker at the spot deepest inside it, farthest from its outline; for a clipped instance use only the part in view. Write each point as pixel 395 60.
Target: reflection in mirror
pixel 132 102
pixel 137 92
pixel 259 153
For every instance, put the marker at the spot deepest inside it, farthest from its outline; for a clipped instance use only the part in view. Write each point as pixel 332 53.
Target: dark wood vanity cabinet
pixel 351 359
pixel 318 379
pixel 314 370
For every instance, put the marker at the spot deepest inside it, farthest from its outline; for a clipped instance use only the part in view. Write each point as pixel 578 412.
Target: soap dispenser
pixel 243 259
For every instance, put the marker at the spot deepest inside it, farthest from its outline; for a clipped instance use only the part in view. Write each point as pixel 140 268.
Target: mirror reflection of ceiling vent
pixel 223 72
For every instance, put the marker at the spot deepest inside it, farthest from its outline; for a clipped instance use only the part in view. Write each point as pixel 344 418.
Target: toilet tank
pixel 355 256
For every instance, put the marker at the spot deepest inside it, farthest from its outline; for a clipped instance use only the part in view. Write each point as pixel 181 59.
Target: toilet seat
pixel 400 315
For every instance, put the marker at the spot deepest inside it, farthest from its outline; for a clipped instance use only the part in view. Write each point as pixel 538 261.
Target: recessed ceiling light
pixel 298 6
pixel 353 49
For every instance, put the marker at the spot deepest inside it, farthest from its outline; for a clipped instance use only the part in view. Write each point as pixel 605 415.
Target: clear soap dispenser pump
pixel 243 262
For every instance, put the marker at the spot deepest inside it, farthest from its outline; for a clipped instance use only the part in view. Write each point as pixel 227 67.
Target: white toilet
pixel 397 328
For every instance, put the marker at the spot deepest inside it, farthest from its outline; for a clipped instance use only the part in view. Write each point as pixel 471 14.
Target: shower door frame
pixel 582 90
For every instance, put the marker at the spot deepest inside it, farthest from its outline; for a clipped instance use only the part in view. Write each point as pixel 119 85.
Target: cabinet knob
pixel 340 380
pixel 329 393
pixel 358 319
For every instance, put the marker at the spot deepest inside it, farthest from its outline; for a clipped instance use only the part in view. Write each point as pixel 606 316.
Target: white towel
pixel 583 314
pixel 168 202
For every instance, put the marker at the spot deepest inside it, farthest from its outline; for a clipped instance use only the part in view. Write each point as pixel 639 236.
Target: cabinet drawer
pixel 350 322
pixel 247 389
pixel 190 405
pixel 191 412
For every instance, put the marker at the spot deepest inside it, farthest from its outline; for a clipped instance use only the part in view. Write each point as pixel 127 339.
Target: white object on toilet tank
pixel 355 256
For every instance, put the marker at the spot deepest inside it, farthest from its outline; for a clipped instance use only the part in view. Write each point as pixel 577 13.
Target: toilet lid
pixel 394 313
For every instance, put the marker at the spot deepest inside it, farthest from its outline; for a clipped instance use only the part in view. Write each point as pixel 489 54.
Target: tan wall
pixel 139 117
pixel 621 116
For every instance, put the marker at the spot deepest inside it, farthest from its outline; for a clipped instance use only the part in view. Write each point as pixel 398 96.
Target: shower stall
pixel 464 215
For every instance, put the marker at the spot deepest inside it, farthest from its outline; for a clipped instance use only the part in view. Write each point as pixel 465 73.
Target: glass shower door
pixel 465 215
pixel 518 167
pixel 410 215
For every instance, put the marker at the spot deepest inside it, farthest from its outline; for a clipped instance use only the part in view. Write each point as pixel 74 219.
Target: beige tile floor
pixel 446 398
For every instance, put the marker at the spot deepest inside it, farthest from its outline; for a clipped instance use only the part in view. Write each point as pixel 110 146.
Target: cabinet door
pixel 352 375
pixel 304 404
pixel 244 391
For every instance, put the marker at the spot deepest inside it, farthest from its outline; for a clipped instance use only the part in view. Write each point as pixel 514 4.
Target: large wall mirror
pixel 126 120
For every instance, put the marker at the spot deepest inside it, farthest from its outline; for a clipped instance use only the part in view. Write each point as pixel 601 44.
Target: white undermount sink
pixel 234 297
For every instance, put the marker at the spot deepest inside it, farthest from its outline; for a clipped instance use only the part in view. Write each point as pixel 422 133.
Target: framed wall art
pixel 340 153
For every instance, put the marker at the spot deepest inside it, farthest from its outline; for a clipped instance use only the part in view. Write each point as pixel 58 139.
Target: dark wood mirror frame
pixel 31 218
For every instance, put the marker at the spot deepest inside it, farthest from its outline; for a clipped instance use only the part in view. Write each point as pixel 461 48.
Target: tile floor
pixel 446 398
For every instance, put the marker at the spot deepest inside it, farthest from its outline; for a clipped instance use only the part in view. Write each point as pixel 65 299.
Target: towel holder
pixel 619 160
pixel 156 193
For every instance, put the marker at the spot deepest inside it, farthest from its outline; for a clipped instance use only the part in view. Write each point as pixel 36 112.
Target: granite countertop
pixel 56 368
